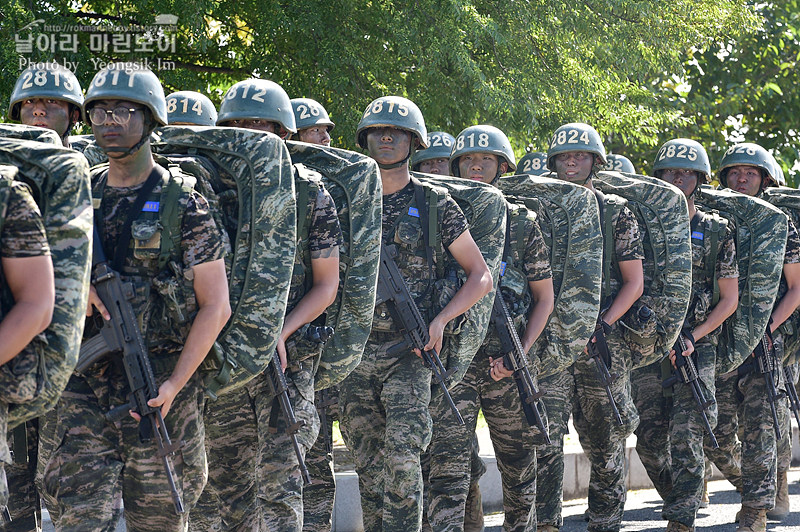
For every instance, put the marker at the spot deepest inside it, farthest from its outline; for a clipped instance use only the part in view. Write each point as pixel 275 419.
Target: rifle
pixel 515 359
pixel 280 389
pixel 393 291
pixel 791 391
pixel 326 399
pixel 122 333
pixel 686 372
pixel 764 362
pixel 599 352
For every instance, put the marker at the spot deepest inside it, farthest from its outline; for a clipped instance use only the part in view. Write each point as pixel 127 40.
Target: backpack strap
pixel 176 185
pixel 429 220
pixel 307 184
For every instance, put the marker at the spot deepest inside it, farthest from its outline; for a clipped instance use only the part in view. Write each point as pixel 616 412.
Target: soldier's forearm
pixel 208 323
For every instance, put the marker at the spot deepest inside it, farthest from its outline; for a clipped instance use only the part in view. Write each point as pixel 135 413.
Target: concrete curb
pixel 347 508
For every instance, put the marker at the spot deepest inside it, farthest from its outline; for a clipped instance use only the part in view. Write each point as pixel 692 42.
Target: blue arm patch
pixel 697 235
pixel 151 206
pixel 412 211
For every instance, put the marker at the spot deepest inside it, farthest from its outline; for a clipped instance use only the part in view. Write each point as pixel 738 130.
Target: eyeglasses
pixel 120 115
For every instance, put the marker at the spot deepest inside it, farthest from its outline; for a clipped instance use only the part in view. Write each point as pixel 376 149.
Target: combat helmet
pixel 254 99
pixel 619 163
pixel 750 154
pixel 683 154
pixel 190 107
pixel 45 80
pixel 310 113
pixel 483 139
pixel 534 162
pixel 132 82
pixel 440 145
pixel 778 174
pixel 396 112
pixel 576 136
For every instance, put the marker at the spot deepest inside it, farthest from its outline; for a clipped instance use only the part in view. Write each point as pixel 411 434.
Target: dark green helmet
pixel 190 107
pixel 748 154
pixel 683 154
pixel 534 162
pixel 441 144
pixel 779 177
pixel 576 136
pixel 128 81
pixel 45 80
pixel 619 163
pixel 396 112
pixel 483 139
pixel 257 99
pixel 310 113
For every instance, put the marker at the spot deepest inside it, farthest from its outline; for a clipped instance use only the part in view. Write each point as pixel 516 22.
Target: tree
pixel 526 66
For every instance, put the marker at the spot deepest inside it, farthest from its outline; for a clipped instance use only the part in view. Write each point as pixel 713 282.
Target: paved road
pixel 643 511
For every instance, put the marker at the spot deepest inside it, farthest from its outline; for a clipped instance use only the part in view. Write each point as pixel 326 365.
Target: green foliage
pixel 745 89
pixel 525 66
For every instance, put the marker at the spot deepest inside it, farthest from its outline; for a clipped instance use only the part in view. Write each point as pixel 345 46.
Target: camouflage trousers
pixel 477 468
pixel 670 434
pixel 254 476
pixel 88 465
pixel 602 438
pixel 785 416
pixel 749 463
pixel 5 455
pixel 318 497
pixel 514 444
pixel 24 504
pixel 385 421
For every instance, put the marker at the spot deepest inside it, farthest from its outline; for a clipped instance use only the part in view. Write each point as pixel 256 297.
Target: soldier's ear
pixel 503 167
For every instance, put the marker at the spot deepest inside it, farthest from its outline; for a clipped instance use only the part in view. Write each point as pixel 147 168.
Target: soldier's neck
pixel 395 179
pixel 692 208
pixel 588 184
pixel 131 170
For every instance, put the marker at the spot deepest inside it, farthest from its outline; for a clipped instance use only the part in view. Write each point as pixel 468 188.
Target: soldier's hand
pixel 94 301
pixel 687 352
pixel 436 332
pixel 166 395
pixel 497 369
pixel 281 347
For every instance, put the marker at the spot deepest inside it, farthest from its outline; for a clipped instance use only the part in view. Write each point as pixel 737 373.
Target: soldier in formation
pixel 90 465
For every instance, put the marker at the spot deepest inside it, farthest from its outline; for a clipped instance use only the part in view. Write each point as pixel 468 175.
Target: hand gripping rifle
pixel 765 362
pixel 280 389
pixel 515 359
pixel 791 391
pixel 393 291
pixel 599 352
pixel 686 373
pixel 121 333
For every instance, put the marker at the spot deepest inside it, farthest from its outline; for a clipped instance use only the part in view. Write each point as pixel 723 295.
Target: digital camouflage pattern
pixel 670 434
pixel 484 207
pixel 760 231
pixel 263 250
pixel 785 416
pixel 80 142
pixel 23 132
pixel 59 179
pixel 663 217
pixel 570 222
pixel 788 200
pixel 354 183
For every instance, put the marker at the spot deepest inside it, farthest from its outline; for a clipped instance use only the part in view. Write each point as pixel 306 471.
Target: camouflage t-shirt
pixel 792 255
pixel 23 230
pixel 452 222
pixel 324 232
pixel 536 263
pixel 627 237
pixel 201 241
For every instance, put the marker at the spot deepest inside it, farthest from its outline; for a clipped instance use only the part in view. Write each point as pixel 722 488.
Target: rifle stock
pixel 393 291
pixel 515 359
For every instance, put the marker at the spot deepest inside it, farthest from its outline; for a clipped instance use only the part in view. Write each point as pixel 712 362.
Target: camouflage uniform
pixel 23 235
pixel 514 440
pixel 254 475
pixel 750 464
pixel 670 434
pixel 318 497
pixel 89 464
pixel 785 417
pixel 384 402
pixel 602 439
pixel 25 505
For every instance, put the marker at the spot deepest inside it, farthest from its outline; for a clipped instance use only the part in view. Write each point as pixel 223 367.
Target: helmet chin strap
pixel 399 163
